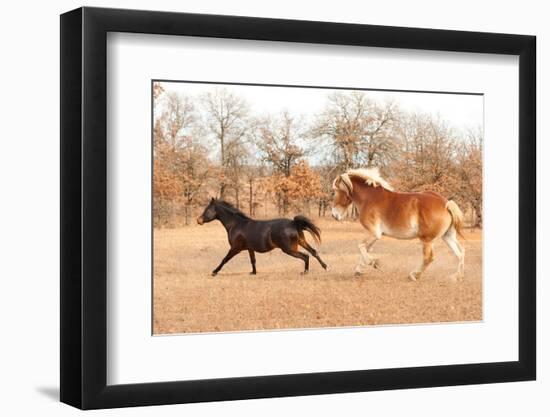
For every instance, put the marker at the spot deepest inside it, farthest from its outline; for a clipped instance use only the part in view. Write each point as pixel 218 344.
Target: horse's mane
pixel 231 209
pixel 371 176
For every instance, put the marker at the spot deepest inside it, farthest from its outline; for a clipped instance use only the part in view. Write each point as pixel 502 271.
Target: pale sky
pixel 461 111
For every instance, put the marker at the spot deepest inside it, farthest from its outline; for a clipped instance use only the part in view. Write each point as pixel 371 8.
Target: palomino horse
pixel 382 211
pixel 261 236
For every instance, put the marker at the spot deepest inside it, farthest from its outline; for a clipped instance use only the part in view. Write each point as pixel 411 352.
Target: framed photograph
pixel 257 208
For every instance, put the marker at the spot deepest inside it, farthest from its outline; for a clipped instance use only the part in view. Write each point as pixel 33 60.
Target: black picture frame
pixel 84 207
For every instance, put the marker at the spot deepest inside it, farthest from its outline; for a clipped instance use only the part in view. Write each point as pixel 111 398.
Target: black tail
pixel 303 223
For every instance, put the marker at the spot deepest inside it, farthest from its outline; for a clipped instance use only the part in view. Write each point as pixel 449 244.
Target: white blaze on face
pixel 337 214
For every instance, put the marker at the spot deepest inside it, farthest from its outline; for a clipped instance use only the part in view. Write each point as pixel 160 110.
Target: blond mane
pixel 371 176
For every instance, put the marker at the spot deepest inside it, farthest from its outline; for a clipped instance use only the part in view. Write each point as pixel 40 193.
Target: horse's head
pixel 343 189
pixel 210 213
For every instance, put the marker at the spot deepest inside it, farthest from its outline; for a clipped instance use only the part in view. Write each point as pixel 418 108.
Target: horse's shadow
pixel 268 276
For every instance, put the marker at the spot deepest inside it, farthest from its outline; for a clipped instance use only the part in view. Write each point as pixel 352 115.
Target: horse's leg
pixel 291 248
pixel 458 250
pixel 232 252
pixel 252 261
pixel 428 257
pixel 365 258
pixel 310 249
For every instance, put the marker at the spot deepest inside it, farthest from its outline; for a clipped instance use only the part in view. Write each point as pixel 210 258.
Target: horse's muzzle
pixel 200 220
pixel 336 214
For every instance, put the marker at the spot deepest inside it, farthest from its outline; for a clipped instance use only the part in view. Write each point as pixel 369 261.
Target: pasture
pixel 186 299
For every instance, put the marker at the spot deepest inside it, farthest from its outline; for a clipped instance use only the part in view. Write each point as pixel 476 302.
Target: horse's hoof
pixel 214 274
pixel 376 264
pixel 414 276
pixel 456 277
pixel 357 274
pixel 253 273
pixel 304 273
pixel 327 268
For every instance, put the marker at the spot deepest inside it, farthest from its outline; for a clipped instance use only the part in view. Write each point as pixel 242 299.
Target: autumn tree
pixel 298 189
pixel 180 160
pixel 305 186
pixel 213 144
pixel 277 141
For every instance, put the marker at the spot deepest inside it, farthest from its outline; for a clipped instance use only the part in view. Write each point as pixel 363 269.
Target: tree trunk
pixel 478 212
pixel 222 161
pixel 250 198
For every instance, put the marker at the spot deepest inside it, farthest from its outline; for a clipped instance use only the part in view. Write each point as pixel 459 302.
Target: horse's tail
pixel 303 223
pixel 456 217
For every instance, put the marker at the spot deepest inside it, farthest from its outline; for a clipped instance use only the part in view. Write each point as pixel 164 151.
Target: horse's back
pixel 424 197
pixel 282 230
pixel 432 195
pixel 266 235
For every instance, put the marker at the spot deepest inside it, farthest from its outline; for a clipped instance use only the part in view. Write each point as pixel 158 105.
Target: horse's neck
pixel 227 219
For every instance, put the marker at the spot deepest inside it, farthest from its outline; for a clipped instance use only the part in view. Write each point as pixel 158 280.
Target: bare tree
pixel 470 167
pixel 433 156
pixel 236 157
pixel 428 152
pixel 326 175
pixel 227 120
pixel 253 175
pixel 176 116
pixel 357 130
pixel 277 143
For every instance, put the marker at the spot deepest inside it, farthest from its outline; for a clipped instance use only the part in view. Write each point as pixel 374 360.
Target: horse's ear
pixel 212 199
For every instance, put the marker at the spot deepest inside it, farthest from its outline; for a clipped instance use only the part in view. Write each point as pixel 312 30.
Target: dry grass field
pixel 188 299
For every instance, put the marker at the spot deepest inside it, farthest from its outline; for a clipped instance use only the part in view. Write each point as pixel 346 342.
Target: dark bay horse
pixel 261 236
pixel 382 211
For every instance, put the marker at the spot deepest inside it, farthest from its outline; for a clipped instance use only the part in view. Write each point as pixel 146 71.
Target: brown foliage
pixel 180 163
pixel 158 89
pixel 296 190
pixel 212 145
